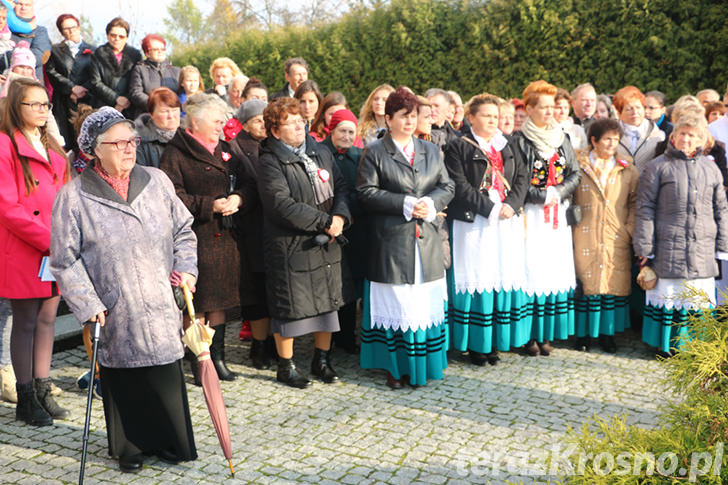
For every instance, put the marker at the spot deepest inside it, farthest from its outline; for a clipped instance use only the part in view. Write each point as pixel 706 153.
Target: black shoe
pixel 545 348
pixel 393 383
pixel 477 358
pixel 582 344
pixel 321 366
pixel 531 348
pixel 259 354
pixel 130 464
pixel 194 366
pixel 29 409
pixel 493 358
pixel 288 374
pixel 43 391
pixel 217 355
pixel 607 343
pixel 660 354
pixel 168 457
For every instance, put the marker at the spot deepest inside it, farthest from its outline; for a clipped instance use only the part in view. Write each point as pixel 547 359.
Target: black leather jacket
pixel 569 178
pixel 466 165
pixel 384 179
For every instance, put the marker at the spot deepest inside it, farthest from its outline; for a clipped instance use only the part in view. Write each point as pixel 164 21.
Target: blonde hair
pixel 367 121
pixel 184 74
pixel 686 105
pixel 690 120
pixel 222 62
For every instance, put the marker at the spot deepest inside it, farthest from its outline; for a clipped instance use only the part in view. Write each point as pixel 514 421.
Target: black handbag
pixel 573 215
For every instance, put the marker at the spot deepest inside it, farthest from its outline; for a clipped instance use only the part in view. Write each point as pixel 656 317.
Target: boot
pixel 321 367
pixel 195 366
pixel 43 391
pixel 259 354
pixel 608 344
pixel 217 355
pixel 493 358
pixel 582 344
pixel 7 387
pixel 477 358
pixel 288 374
pixel 29 408
pixel 532 348
pixel 545 348
pixel 345 338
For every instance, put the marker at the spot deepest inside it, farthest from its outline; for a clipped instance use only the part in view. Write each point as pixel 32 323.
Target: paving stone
pixel 478 425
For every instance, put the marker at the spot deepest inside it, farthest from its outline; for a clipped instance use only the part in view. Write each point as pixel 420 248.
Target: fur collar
pixel 129 57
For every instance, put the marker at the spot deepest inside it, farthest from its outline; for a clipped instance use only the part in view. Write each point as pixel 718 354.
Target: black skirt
pixel 146 411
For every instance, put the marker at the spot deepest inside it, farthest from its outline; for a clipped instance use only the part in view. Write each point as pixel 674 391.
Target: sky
pixel 144 16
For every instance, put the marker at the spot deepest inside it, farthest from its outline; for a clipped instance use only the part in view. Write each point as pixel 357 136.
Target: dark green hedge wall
pixel 497 46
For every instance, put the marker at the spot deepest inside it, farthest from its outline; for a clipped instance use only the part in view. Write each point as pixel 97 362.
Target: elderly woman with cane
pixel 119 235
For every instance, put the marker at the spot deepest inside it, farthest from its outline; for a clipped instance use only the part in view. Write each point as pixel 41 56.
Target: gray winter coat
pixel 112 255
pixel 681 216
pixel 148 75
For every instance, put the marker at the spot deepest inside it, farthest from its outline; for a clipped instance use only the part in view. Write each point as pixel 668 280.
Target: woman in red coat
pixel 32 170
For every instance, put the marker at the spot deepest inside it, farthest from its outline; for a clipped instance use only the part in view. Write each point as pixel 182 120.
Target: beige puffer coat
pixel 602 240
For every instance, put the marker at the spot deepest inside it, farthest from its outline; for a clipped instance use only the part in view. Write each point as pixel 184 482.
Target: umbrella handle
pixel 188 300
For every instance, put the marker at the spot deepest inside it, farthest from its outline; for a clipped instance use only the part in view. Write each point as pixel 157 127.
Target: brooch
pixel 226 156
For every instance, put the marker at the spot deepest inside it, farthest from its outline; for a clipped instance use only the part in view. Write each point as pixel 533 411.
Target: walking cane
pixel 89 400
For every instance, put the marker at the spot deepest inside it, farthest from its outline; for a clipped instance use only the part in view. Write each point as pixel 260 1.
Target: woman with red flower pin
pixel 211 183
pixel 554 174
pixel 305 208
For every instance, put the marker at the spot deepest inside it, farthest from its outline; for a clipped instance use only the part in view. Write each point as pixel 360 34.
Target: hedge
pixel 496 46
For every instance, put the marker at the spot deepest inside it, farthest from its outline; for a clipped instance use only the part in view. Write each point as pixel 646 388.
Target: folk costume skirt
pixel 403 328
pixel 601 315
pixel 667 308
pixel 147 411
pixel 488 306
pixel 550 273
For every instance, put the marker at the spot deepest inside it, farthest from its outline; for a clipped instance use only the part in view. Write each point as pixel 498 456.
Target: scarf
pixel 547 140
pixel 602 168
pixel 73 46
pixel 163 136
pixel 120 186
pixel 492 149
pixel 634 133
pixel 319 178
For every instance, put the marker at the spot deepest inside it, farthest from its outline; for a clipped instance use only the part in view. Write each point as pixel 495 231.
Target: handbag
pixel 573 215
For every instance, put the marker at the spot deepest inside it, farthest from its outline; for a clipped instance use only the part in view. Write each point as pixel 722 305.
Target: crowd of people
pixel 422 226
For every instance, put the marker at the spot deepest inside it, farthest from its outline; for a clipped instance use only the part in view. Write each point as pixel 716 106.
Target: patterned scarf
pixel 120 186
pixel 318 177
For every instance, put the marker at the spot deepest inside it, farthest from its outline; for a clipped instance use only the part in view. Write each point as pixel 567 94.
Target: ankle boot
pixel 545 348
pixel 29 408
pixel 43 391
pixel 532 348
pixel 288 374
pixel 195 366
pixel 217 355
pixel 259 354
pixel 321 366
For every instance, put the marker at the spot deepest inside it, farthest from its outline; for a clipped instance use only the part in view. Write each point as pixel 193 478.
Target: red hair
pixel 535 90
pixel 162 96
pixel 63 17
pixel 147 42
pixel 625 95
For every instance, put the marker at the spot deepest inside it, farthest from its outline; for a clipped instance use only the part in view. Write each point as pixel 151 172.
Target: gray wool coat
pixel 681 216
pixel 111 255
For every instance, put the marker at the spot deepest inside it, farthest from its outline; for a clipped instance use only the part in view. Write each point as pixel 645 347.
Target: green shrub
pixel 496 46
pixel 695 429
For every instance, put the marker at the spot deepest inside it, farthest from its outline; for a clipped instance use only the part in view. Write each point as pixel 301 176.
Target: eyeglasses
pixel 39 107
pixel 122 144
pixel 69 29
pixel 296 122
pixel 117 36
pixel 157 49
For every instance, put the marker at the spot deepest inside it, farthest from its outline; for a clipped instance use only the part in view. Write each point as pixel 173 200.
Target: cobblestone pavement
pixel 478 425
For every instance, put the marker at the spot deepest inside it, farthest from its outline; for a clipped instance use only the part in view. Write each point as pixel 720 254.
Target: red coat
pixel 25 220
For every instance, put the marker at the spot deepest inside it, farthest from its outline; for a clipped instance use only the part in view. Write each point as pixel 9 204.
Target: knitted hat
pixel 96 125
pixel 22 56
pixel 338 117
pixel 249 109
